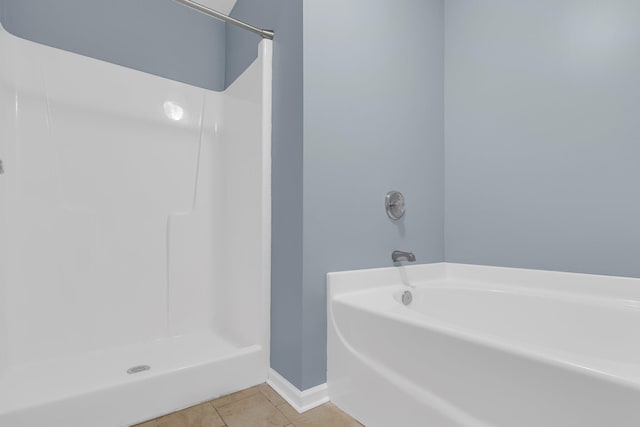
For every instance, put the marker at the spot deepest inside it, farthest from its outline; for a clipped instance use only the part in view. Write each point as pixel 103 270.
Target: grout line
pixel 283 414
pixel 267 397
pixel 219 414
pixel 276 407
pixel 234 401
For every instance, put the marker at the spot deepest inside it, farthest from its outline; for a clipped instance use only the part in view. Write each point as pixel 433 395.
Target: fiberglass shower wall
pixel 134 213
pixel 7 106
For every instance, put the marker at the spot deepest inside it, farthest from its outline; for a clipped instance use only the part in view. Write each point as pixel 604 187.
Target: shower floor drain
pixel 137 369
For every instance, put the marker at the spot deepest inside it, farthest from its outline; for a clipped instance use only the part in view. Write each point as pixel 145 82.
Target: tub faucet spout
pixel 397 256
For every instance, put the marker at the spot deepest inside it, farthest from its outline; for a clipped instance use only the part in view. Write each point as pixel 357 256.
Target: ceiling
pixel 223 6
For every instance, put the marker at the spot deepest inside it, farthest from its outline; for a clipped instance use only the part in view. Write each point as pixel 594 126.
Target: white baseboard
pixel 301 401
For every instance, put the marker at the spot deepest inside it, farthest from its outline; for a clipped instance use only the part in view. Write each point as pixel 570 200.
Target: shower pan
pixel 134 238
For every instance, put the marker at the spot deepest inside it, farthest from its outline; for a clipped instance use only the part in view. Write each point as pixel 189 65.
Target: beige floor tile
pixel 259 406
pixel 288 411
pixel 322 416
pixel 225 400
pixel 203 415
pixel 271 394
pixel 253 411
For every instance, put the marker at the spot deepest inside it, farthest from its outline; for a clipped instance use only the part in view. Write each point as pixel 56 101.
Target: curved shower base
pixel 94 389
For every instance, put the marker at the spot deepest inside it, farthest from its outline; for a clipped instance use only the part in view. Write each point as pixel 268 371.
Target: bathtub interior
pixel 574 326
pixel 134 222
pixel 577 317
pixel 483 346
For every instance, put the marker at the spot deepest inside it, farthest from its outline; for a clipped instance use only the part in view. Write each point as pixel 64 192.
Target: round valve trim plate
pixel 394 204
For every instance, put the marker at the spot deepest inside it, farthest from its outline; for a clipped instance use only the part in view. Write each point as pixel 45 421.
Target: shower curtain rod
pixel 265 34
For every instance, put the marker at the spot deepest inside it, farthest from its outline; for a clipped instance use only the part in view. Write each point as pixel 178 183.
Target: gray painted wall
pixel 542 134
pixel 373 122
pixel 285 18
pixel 156 36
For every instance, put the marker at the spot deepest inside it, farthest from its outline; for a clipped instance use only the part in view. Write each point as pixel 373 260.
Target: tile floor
pixel 258 406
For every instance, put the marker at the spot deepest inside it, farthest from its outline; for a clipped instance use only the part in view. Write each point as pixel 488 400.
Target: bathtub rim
pixel 553 282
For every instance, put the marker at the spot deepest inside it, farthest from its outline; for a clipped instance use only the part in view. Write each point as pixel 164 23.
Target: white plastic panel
pixel 7 111
pixel 134 218
pixel 241 209
pixel 100 167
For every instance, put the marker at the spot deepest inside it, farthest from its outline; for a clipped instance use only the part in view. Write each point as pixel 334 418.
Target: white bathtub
pixel 484 346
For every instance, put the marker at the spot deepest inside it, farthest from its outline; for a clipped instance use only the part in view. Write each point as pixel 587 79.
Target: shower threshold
pixel 168 374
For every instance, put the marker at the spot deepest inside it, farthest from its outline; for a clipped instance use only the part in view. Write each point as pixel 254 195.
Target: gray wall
pixel 285 18
pixel 373 122
pixel 542 134
pixel 156 36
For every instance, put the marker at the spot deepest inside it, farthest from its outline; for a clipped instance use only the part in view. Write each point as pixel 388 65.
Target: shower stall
pixel 134 238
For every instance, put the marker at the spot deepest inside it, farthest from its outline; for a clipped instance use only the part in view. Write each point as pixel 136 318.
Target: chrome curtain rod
pixel 265 34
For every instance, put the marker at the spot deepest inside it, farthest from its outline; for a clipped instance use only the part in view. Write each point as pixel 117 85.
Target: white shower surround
pixel 135 230
pixel 484 347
